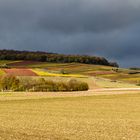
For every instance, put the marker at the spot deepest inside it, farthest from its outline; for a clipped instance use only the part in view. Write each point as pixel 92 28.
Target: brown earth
pixel 101 73
pixel 20 72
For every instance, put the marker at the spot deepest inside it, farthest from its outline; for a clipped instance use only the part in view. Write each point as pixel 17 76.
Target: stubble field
pixel 29 116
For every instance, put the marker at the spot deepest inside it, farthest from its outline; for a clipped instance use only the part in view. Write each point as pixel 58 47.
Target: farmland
pixel 20 72
pixel 109 110
pixel 65 116
pixel 73 70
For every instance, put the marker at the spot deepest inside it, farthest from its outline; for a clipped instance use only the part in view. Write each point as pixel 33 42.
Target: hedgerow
pixel 12 83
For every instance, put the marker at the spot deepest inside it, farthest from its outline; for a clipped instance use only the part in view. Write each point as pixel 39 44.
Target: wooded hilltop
pixel 54 57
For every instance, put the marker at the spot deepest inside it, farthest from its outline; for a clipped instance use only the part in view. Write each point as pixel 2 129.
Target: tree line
pixel 134 68
pixel 12 83
pixel 53 57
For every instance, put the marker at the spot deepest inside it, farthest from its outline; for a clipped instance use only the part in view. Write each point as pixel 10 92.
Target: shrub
pixel 62 86
pixel 4 66
pixel 138 84
pixel 74 85
pixel 11 83
pixel 83 87
pixel 134 72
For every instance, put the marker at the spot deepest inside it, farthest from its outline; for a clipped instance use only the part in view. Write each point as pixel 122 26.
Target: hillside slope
pixel 97 76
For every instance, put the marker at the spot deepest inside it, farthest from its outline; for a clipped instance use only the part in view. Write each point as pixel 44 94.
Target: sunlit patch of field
pixel 129 78
pixel 42 72
pixel 132 80
pixel 106 83
pixel 100 117
pixel 2 72
pixel 7 61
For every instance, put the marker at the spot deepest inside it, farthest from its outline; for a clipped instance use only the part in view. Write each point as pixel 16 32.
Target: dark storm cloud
pixel 90 16
pixel 110 28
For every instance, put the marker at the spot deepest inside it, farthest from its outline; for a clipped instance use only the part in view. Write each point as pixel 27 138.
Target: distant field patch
pixel 23 63
pixel 6 62
pixel 42 72
pixel 1 72
pixel 20 72
pixel 101 73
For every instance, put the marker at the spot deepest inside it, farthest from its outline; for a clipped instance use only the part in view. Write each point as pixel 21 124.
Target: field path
pixel 43 95
pixel 116 89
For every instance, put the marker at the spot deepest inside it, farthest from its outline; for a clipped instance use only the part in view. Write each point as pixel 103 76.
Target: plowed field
pixel 20 72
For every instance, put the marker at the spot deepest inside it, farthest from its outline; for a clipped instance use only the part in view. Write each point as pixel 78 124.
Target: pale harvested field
pixel 92 115
pixel 41 95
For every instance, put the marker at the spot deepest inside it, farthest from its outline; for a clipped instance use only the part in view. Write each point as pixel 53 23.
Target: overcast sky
pixel 109 28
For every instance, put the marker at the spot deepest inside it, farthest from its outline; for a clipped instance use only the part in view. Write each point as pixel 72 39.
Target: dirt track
pixel 109 91
pixel 117 89
pixel 41 95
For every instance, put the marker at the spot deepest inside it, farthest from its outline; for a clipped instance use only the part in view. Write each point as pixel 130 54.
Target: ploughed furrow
pixel 20 72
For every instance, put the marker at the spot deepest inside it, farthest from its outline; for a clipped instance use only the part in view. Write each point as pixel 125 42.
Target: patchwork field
pixel 102 76
pixel 84 69
pixel 43 117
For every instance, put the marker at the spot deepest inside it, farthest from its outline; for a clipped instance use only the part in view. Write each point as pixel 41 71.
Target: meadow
pixel 36 116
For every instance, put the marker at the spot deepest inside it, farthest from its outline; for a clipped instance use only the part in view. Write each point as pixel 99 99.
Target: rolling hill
pixel 97 76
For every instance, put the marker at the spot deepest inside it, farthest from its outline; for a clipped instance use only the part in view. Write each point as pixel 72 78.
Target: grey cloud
pixel 110 28
pixel 90 16
pixel 70 15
